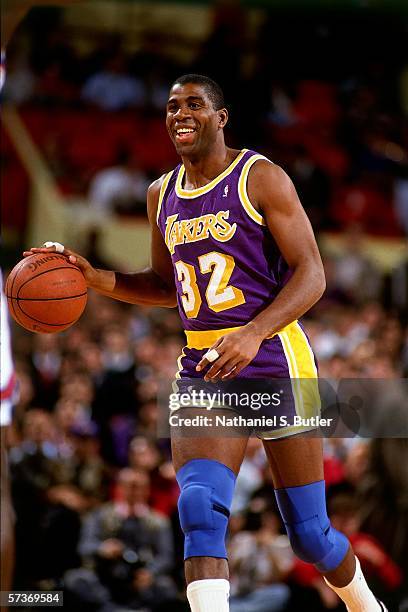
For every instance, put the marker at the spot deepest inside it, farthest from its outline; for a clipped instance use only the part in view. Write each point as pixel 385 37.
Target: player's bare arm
pixel 153 286
pixel 272 192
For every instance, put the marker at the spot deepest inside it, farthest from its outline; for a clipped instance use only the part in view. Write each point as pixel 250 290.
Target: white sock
pixel 208 595
pixel 357 595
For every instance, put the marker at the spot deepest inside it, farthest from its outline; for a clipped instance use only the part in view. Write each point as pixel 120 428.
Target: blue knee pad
pixel 311 535
pixel 204 504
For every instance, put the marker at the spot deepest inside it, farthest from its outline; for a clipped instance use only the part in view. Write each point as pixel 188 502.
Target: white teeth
pixel 184 131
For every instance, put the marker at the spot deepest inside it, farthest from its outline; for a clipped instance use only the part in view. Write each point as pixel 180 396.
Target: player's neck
pixel 201 171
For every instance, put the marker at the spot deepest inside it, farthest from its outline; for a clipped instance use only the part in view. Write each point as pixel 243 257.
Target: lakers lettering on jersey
pixel 200 228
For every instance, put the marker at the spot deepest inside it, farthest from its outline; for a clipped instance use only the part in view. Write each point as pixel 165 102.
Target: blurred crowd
pixel 95 491
pixel 332 113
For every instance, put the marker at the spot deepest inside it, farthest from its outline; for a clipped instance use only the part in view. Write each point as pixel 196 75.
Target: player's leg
pixel 297 468
pixel 206 470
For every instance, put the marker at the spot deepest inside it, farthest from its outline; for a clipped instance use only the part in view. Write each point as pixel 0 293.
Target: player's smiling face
pixel 192 121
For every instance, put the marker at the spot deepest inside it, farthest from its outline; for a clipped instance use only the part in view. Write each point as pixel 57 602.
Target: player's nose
pixel 182 112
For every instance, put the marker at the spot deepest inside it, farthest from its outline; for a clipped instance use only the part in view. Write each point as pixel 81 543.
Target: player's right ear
pixel 222 118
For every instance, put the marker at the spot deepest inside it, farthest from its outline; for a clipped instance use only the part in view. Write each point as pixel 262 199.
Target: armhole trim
pixel 162 193
pixel 243 193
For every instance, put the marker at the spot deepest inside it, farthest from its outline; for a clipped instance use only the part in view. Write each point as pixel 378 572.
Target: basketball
pixel 46 293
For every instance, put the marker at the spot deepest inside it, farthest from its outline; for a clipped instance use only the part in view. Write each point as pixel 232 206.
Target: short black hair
pixel 212 88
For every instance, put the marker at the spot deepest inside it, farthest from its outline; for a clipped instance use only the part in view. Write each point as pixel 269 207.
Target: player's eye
pixel 194 105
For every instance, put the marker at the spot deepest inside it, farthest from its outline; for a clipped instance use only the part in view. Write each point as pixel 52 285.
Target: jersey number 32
pixel 219 295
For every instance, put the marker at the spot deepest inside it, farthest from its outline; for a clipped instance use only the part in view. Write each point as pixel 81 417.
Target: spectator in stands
pixel 25 397
pixel 345 515
pixel 91 360
pixel 37 452
pixel 79 389
pixel 382 497
pixel 68 413
pixel 112 88
pixel 43 498
pixel 21 81
pixel 120 189
pixel 147 454
pixel 147 420
pixel 146 357
pixel 355 273
pixel 143 454
pixel 88 472
pixel 129 548
pixel 164 490
pixel 102 312
pixel 53 88
pixel 260 561
pixel 116 350
pixel 378 567
pixel 46 363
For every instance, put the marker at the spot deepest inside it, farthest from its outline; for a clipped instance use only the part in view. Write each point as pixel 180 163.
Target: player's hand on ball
pixel 83 264
pixel 236 350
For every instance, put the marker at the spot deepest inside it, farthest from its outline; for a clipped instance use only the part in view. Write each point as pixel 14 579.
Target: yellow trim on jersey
pixel 194 193
pixel 242 190
pixel 162 192
pixel 204 339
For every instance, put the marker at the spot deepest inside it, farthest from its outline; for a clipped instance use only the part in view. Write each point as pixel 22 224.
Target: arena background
pixel 321 88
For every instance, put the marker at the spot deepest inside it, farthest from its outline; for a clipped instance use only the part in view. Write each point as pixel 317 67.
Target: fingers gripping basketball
pixel 58 246
pixel 46 293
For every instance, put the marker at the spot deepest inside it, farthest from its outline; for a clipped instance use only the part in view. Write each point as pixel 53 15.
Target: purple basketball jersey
pixel 227 266
pixel 227 269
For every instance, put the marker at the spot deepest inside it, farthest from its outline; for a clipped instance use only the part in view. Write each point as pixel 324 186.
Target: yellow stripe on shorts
pixel 179 364
pixel 177 375
pixel 302 369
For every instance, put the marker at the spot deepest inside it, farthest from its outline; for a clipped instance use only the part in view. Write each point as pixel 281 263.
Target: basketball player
pixel 233 247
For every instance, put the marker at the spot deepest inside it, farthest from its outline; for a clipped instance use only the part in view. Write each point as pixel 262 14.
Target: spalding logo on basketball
pixel 46 293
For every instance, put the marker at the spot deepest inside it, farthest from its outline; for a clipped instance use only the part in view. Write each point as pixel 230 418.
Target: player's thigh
pixel 295 461
pixel 228 450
